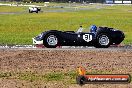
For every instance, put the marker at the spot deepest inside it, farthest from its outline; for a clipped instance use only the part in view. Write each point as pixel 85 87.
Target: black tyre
pixel 50 41
pixel 103 40
pixel 29 11
pixel 81 80
pixel 36 11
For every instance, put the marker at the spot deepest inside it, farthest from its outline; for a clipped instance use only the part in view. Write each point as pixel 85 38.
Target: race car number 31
pixel 87 37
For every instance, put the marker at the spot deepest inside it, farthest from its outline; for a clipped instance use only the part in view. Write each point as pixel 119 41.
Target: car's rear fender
pixel 105 30
pixel 117 36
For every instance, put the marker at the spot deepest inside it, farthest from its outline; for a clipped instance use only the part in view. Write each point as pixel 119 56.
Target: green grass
pixel 12 9
pixel 20 28
pixel 67 77
pixel 64 77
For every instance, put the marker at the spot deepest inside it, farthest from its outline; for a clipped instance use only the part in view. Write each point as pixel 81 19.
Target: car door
pixel 70 38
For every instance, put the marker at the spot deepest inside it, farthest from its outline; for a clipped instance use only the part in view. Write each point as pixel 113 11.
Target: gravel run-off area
pixel 45 61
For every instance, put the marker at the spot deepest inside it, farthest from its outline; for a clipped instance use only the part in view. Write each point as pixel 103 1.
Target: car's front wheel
pixel 50 41
pixel 30 11
pixel 103 41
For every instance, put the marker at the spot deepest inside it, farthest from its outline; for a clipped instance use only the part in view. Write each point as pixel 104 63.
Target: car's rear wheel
pixel 103 41
pixel 50 41
pixel 37 11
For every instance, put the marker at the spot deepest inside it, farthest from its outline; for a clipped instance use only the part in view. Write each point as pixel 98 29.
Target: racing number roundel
pixel 87 37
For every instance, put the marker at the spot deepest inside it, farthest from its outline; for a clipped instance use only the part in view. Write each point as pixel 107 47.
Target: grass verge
pixel 19 28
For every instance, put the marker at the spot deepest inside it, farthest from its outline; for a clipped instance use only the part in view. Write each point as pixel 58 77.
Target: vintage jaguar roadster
pixel 99 37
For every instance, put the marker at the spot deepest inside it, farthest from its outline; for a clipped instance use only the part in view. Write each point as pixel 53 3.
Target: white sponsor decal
pixel 87 37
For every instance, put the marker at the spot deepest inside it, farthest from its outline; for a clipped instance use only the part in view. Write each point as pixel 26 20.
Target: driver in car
pixel 93 29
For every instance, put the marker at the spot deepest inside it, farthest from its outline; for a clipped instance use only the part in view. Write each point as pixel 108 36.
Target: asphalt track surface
pixel 31 47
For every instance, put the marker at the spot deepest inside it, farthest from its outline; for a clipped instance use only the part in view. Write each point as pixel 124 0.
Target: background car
pixel 34 9
pixel 101 37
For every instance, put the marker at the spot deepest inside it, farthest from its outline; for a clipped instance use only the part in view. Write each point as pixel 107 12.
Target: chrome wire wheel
pixel 104 40
pixel 52 40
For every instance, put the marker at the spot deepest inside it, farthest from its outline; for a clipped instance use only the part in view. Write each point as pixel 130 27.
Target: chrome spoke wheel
pixel 52 40
pixel 104 40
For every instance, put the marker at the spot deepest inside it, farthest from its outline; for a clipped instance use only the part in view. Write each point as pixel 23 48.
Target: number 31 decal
pixel 87 37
